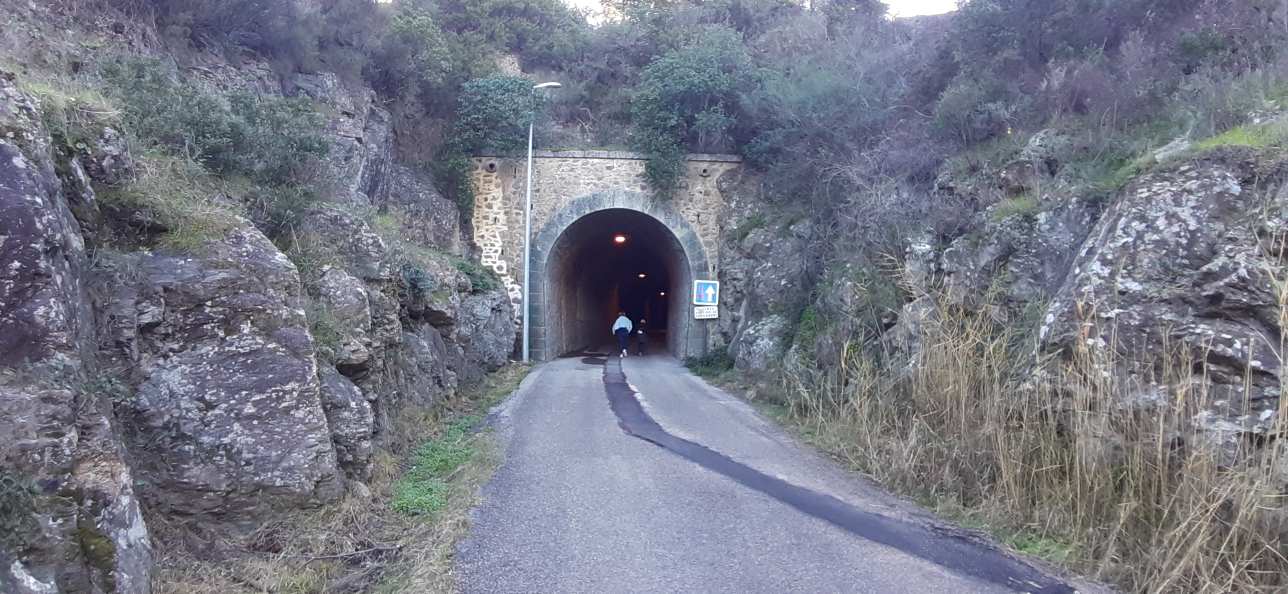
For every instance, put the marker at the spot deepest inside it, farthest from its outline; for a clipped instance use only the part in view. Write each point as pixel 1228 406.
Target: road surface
pixel 635 476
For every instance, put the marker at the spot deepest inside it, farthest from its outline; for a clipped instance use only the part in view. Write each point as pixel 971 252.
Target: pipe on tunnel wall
pixel 564 301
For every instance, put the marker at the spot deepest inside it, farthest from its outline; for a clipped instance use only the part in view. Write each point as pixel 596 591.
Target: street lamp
pixel 527 228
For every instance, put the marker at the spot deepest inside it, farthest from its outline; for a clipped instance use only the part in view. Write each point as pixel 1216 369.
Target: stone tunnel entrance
pixel 580 277
pixel 616 260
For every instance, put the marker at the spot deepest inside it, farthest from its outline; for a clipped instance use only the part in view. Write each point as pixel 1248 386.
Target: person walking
pixel 622 330
pixel 641 339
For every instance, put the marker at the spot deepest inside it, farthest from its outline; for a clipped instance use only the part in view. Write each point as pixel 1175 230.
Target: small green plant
pixel 713 364
pixel 416 278
pixel 17 508
pixel 808 327
pixel 756 221
pixel 325 329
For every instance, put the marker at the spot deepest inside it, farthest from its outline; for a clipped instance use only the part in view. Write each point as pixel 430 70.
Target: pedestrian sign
pixel 706 292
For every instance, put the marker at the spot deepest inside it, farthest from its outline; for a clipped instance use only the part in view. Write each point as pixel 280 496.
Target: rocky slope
pixel 221 382
pixel 1184 261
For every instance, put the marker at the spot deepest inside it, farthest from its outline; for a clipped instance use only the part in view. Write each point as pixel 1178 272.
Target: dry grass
pixel 1057 465
pixel 360 544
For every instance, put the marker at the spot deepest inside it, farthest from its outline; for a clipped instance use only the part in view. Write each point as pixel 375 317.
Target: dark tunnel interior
pixel 610 261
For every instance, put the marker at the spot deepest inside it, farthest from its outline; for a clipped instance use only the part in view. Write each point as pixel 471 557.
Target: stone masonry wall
pixel 559 177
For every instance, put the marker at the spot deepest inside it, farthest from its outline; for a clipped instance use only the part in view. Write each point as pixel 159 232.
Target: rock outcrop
pixel 1181 272
pixel 69 515
pixel 214 383
pixel 225 418
pixel 764 274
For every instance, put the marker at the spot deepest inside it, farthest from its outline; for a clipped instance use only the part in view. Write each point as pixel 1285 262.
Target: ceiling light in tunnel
pixel 642 275
pixel 619 239
pixel 662 294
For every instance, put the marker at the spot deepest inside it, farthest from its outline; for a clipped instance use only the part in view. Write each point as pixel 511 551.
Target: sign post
pixel 706 299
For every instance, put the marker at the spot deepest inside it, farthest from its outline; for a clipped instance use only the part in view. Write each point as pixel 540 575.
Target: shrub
pixel 542 32
pixel 277 137
pixel 482 279
pixel 266 138
pixel 412 56
pixel 713 364
pixel 972 111
pixel 492 116
pixel 269 26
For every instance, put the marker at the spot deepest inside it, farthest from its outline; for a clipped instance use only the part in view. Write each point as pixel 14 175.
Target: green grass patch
pixel 423 489
pixel 72 111
pixel 1258 136
pixel 426 487
pixel 1025 206
pixel 180 198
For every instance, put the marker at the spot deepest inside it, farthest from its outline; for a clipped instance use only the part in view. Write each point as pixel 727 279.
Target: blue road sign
pixel 706 292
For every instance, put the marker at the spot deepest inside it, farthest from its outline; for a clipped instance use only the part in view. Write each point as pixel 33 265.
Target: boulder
pixel 344 301
pixel 485 329
pixel 1179 268
pixel 428 217
pixel 917 321
pixel 421 371
pixel 361 251
pixel 360 137
pixel 105 155
pixel 224 420
pixel 1023 259
pixel 760 345
pixel 352 422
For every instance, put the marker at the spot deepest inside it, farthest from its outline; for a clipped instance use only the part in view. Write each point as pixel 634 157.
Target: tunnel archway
pixel 582 275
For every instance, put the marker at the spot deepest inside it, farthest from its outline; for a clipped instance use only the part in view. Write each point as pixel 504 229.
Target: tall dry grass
pixel 1056 462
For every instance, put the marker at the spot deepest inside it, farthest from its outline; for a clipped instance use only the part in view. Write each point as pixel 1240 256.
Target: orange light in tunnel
pixel 619 239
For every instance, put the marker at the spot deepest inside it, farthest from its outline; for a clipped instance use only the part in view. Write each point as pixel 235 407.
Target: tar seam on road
pixel 954 552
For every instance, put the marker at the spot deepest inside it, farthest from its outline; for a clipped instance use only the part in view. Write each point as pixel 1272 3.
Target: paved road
pixel 664 484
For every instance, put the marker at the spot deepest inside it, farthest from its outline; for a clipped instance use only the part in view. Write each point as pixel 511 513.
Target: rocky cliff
pixel 215 381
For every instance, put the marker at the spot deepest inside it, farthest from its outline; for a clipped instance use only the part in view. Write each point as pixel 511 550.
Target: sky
pixel 898 8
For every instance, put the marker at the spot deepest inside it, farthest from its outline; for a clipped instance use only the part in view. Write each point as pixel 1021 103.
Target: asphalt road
pixel 660 483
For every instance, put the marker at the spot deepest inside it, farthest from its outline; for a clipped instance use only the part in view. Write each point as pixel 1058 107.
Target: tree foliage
pixel 688 98
pixel 492 116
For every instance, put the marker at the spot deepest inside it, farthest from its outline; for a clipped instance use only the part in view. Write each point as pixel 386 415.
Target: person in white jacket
pixel 622 330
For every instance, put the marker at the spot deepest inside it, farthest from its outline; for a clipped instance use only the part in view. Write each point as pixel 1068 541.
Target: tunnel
pixel 610 261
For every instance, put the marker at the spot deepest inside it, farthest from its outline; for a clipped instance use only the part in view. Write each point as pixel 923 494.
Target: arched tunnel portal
pixel 605 255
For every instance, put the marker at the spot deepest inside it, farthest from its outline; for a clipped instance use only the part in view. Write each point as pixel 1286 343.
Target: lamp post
pixel 527 230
